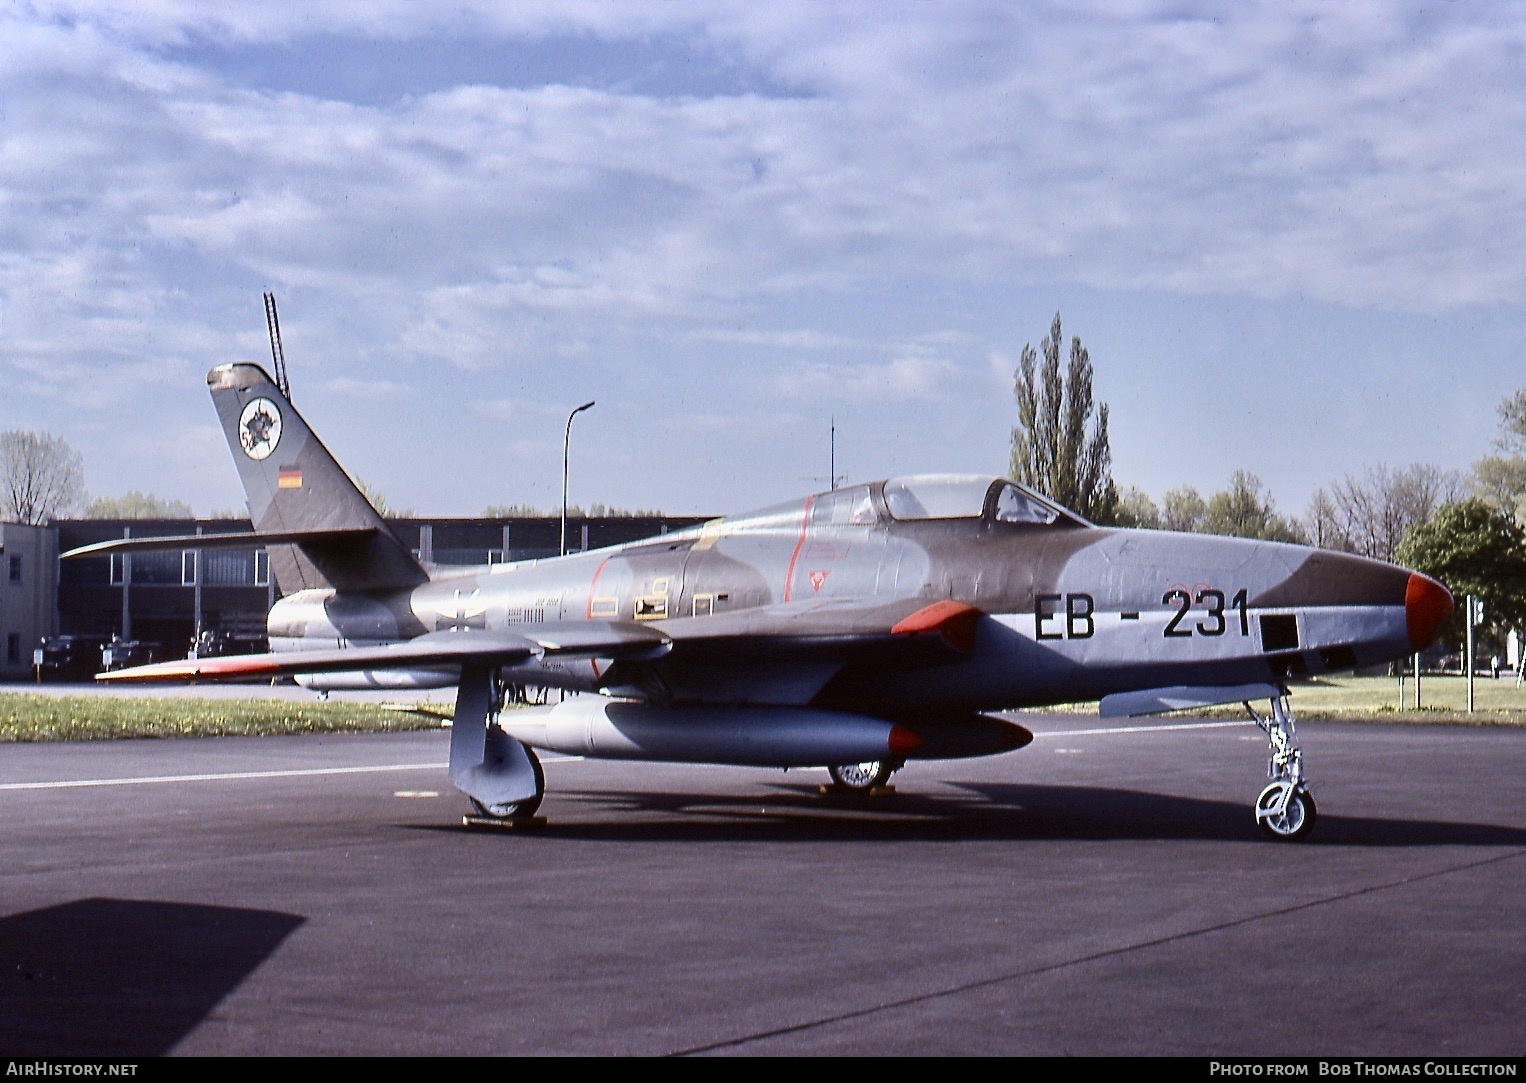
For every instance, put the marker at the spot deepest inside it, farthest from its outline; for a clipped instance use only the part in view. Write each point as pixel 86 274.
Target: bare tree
pixel 136 505
pixel 1058 447
pixel 1322 523
pixel 41 477
pixel 1372 513
pixel 1513 422
pixel 375 498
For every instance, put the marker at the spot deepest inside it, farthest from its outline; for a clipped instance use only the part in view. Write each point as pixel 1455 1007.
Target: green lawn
pixel 1376 699
pixel 1442 698
pixel 26 717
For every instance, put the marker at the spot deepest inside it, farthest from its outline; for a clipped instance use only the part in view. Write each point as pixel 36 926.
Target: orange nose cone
pixel 1426 605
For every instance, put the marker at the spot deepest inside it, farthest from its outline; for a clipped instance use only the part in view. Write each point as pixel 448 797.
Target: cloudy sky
pixel 1292 236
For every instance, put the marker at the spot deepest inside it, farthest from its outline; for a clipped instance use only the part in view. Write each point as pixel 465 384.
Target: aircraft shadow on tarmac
pixel 121 977
pixel 973 811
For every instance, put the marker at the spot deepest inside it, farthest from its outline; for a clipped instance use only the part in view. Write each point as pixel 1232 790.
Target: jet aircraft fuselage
pixel 1065 611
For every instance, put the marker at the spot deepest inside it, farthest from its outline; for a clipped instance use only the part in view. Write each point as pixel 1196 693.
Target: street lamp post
pixel 566 442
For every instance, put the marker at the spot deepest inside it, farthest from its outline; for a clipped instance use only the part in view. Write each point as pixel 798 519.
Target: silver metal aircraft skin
pixel 853 629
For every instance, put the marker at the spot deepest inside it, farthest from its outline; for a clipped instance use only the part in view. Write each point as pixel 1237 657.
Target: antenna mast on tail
pixel 277 354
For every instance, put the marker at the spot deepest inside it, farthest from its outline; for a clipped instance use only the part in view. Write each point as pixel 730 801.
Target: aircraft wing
pixel 828 630
pixel 603 639
pixel 787 653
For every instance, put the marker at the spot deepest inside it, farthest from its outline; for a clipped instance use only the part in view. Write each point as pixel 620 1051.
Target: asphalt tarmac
pixel 1102 892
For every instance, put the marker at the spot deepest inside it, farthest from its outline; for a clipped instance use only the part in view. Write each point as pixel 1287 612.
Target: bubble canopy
pixel 963 496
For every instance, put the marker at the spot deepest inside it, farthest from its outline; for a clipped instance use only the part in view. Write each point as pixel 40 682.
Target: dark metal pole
pixel 126 589
pixel 196 572
pixel 566 443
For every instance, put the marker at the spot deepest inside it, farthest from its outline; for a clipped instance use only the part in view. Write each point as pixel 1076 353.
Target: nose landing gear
pixel 1285 809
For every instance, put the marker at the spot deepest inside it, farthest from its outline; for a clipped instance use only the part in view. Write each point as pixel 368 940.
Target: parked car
pixel 68 657
pixel 122 653
pixel 215 643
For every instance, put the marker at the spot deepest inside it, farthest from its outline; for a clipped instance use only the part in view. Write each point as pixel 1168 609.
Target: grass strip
pixel 27 717
pixel 31 717
pixel 1443 699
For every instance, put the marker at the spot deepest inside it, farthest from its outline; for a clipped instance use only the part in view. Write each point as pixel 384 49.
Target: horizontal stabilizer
pixel 255 540
pixel 1180 698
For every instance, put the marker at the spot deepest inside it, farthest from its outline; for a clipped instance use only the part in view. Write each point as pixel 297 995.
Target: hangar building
pixel 167 598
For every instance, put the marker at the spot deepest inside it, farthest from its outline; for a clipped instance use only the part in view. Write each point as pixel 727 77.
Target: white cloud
pixel 908 377
pixel 372 390
pixel 779 340
pixel 1354 154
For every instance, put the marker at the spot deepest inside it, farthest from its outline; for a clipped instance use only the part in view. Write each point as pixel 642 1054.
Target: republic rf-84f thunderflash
pixel 856 629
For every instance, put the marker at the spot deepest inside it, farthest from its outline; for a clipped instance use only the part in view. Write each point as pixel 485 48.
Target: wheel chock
pixel 504 823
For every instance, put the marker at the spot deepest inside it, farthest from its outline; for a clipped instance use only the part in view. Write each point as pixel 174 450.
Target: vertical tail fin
pixel 293 483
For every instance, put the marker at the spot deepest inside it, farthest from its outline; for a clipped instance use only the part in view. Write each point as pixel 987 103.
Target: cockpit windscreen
pixel 1015 506
pixel 957 496
pixel 937 496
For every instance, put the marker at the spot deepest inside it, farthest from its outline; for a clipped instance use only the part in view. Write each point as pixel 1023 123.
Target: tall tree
pixel 41 477
pixel 1500 480
pixel 1060 445
pixel 1136 509
pixel 1474 549
pixel 1241 511
pixel 1183 509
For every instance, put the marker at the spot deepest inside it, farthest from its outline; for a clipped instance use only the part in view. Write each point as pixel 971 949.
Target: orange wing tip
pixel 1427 605
pixel 187 671
pixel 954 621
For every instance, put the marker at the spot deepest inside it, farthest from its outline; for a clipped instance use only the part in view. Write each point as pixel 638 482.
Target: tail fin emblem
pixel 259 428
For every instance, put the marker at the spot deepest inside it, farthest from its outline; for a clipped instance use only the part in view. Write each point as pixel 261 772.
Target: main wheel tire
pixel 1294 822
pixel 860 777
pixel 511 810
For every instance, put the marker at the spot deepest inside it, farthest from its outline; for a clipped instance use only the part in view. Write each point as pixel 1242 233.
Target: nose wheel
pixel 1284 812
pixel 1285 809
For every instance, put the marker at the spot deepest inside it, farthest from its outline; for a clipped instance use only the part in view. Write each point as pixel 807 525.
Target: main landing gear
pixel 513 810
pixel 1285 809
pixel 862 778
pixel 501 776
